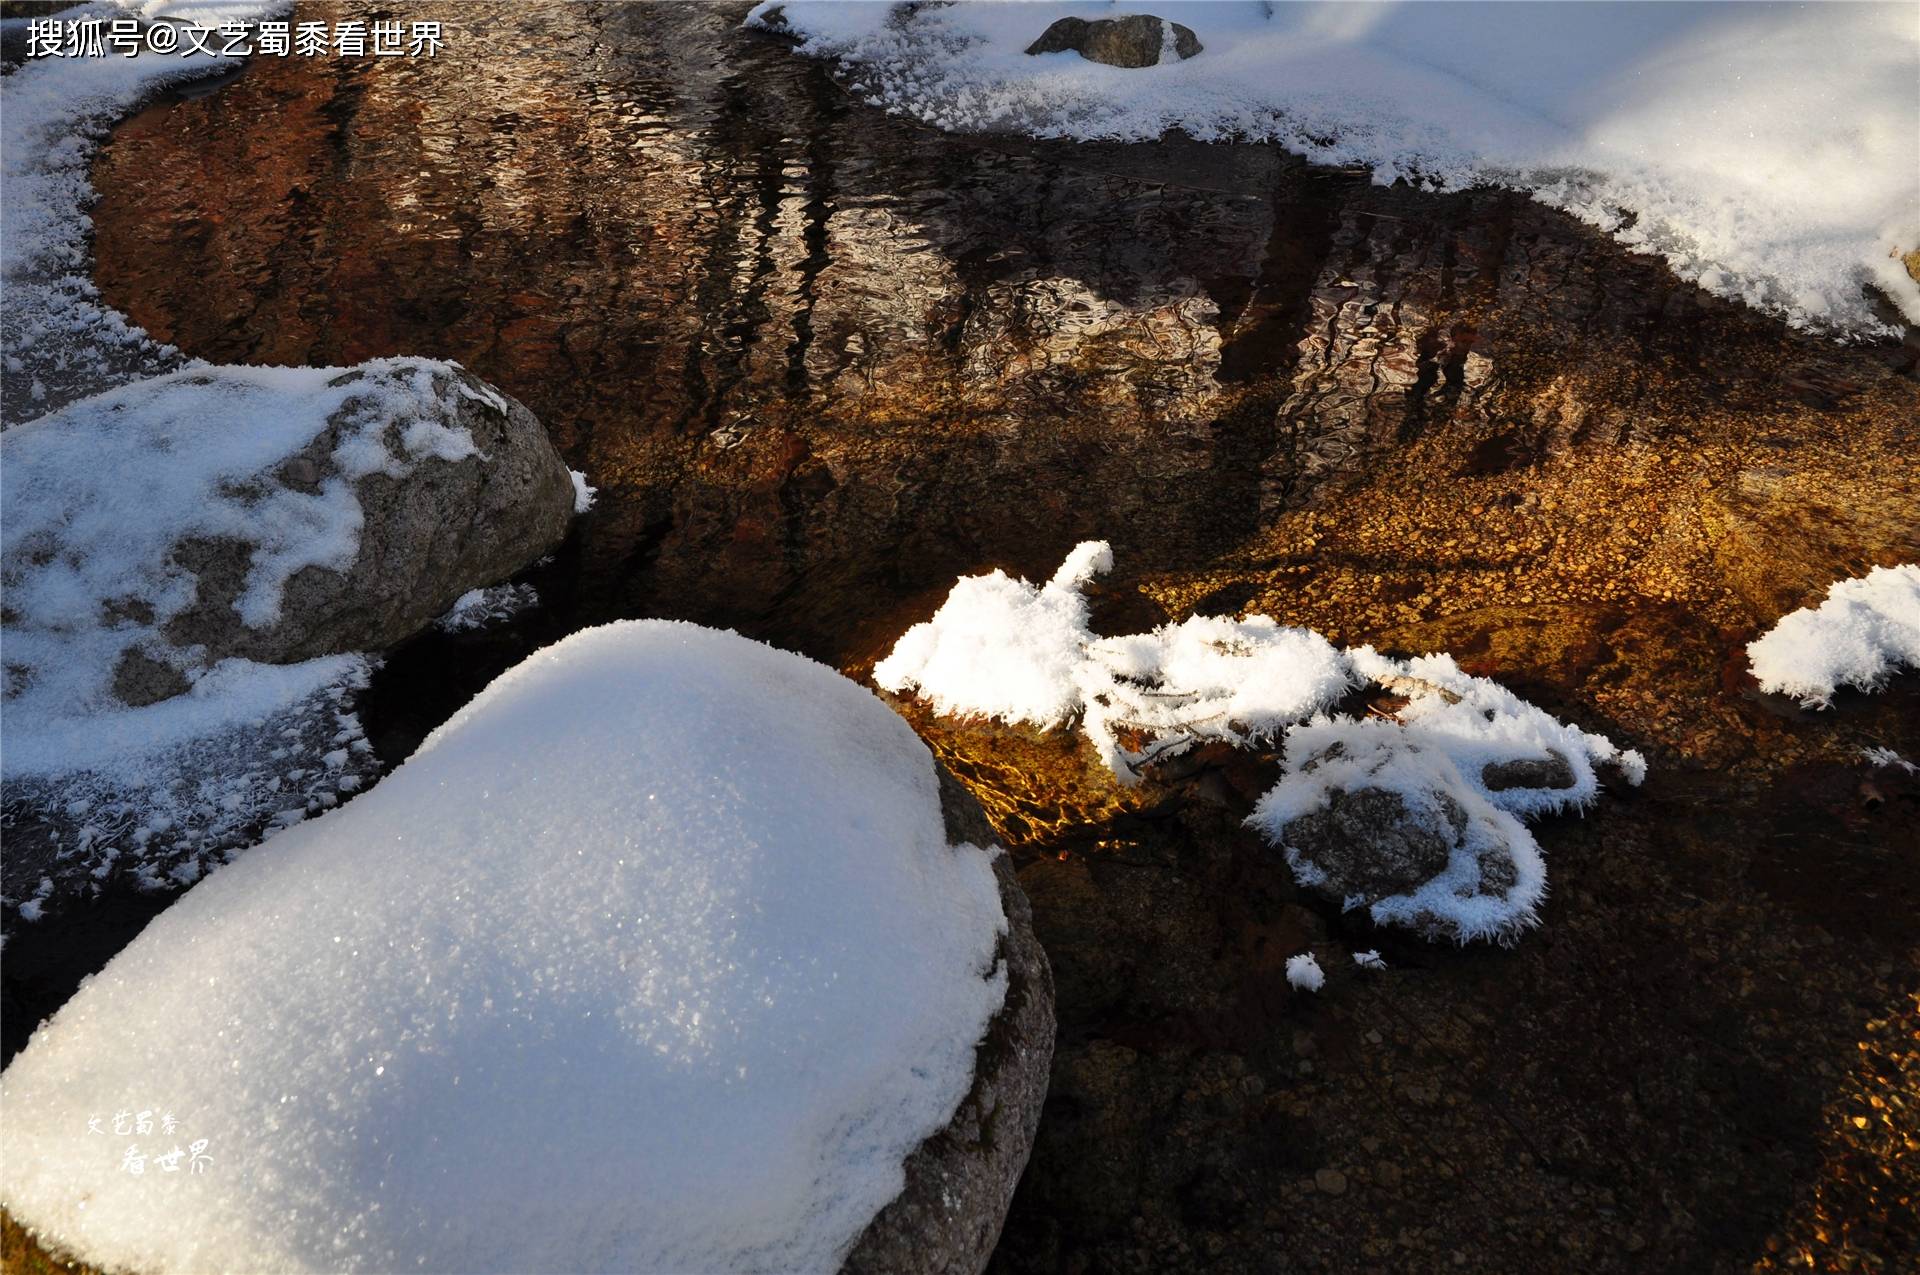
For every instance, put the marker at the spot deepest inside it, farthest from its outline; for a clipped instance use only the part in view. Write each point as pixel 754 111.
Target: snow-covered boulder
pixel 264 514
pixel 1375 816
pixel 659 955
pixel 947 1218
pixel 1139 39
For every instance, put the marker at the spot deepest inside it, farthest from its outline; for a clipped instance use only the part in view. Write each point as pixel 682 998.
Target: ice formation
pixel 484 608
pixel 1304 972
pixel 583 495
pixel 1863 633
pixel 654 957
pixel 1464 761
pixel 1765 151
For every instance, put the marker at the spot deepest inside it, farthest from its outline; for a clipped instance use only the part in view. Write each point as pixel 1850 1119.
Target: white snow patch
pixel 654 957
pixel 207 12
pixel 1766 151
pixel 60 342
pixel 1370 960
pixel 1864 632
pixel 583 495
pixel 1304 972
pixel 1003 648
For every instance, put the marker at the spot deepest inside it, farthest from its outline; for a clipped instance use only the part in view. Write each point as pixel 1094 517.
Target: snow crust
pixel 1003 648
pixel 1863 633
pixel 1304 972
pixel 1766 151
pixel 654 957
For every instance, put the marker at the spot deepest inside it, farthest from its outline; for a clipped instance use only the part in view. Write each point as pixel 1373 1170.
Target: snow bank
pixel 1465 758
pixel 654 957
pixel 1766 151
pixel 1864 632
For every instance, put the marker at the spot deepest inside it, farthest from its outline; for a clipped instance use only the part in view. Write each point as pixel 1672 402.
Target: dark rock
pixel 960 1181
pixel 1366 842
pixel 1132 41
pixel 140 679
pixel 1551 771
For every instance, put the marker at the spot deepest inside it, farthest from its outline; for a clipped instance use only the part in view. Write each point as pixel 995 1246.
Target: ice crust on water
pixel 1766 151
pixel 1004 648
pixel 654 957
pixel 1864 632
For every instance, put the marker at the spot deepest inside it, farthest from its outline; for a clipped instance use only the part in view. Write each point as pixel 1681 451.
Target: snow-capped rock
pixel 659 955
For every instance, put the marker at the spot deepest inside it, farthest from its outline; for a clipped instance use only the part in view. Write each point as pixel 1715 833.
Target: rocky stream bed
pixel 820 362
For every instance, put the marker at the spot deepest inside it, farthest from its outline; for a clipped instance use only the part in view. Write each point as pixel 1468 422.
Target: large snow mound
pixel 654 957
pixel 1765 150
pixel 1864 632
pixel 1460 745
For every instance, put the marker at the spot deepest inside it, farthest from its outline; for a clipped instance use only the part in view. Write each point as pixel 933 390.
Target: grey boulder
pixel 1135 41
pixel 1365 842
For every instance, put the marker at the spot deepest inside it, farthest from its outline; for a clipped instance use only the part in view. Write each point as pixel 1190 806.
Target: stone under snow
pixel 656 956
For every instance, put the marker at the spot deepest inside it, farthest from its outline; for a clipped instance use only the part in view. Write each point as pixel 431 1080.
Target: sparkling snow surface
pixel 1767 151
pixel 654 957
pixel 1863 633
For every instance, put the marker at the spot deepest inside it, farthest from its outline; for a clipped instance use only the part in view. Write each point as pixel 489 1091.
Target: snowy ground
pixel 1766 151
pixel 654 957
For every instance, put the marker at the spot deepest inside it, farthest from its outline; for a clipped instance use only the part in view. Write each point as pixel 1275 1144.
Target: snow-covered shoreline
pixel 1765 151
